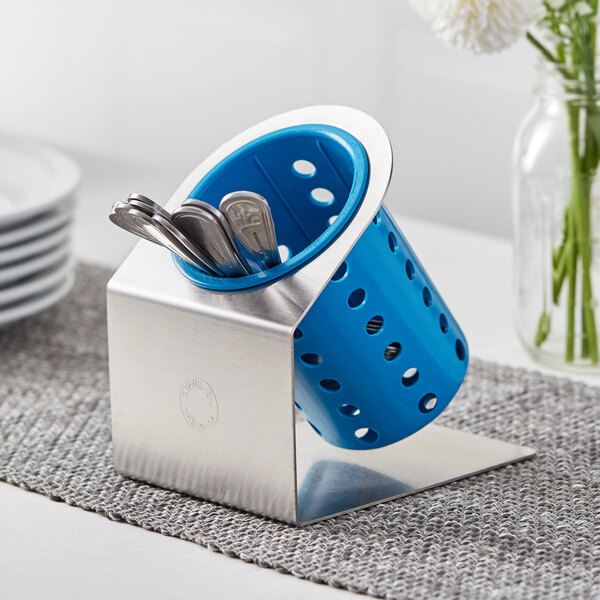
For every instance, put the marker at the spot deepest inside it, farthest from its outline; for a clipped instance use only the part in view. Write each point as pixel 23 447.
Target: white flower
pixel 480 25
pixel 556 4
pixel 583 9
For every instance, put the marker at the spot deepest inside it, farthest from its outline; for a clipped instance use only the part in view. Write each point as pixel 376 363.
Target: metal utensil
pixel 140 202
pixel 250 218
pixel 218 215
pixel 211 232
pixel 161 231
pixel 148 206
pixel 144 222
pixel 201 258
pixel 119 216
pixel 152 209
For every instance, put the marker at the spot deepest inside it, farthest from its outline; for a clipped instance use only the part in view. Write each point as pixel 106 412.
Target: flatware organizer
pixel 306 390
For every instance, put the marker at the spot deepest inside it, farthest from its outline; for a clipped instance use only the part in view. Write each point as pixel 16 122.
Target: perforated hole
pixel 392 242
pixel 427 403
pixel 284 252
pixel 410 377
pixel 318 432
pixel 460 350
pixel 410 269
pixel 298 333
pixel 443 323
pixel 303 168
pixel 311 359
pixel 377 219
pixel 322 196
pixel 340 273
pixel 366 435
pixel 392 351
pixel 349 410
pixel 357 298
pixel 426 296
pixel 331 385
pixel 375 324
pixel 332 219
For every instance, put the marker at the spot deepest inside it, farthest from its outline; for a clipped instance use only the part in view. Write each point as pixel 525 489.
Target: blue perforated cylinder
pixel 379 355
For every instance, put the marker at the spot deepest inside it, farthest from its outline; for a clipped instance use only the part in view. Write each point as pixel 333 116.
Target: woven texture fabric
pixel 530 530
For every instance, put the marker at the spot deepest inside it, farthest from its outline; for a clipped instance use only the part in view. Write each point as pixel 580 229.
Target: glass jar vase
pixel 556 212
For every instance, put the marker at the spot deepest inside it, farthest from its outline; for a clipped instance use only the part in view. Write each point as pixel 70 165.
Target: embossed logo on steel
pixel 199 404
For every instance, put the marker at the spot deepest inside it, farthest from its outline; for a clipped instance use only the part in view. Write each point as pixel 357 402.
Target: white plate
pixel 37 226
pixel 35 284
pixel 33 179
pixel 34 264
pixel 36 246
pixel 37 303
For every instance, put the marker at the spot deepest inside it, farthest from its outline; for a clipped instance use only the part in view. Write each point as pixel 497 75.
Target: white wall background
pixel 139 91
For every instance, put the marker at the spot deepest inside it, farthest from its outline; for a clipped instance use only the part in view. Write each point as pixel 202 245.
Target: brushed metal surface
pixel 333 480
pixel 237 449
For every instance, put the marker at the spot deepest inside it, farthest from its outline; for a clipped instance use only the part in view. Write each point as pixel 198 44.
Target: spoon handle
pixel 250 218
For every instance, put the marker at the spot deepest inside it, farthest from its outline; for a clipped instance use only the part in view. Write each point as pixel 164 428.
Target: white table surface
pixel 51 550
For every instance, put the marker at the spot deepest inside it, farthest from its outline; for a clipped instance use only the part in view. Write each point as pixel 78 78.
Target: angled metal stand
pixel 332 480
pixel 202 382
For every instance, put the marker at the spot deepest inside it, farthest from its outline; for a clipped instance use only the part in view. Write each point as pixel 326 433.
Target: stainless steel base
pixel 332 481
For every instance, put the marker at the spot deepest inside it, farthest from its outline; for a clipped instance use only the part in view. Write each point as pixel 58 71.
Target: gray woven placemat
pixel 530 530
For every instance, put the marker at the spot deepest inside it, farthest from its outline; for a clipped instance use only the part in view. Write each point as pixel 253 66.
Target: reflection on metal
pixel 334 480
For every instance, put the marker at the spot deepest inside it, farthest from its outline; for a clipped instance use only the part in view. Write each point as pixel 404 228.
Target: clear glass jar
pixel 556 220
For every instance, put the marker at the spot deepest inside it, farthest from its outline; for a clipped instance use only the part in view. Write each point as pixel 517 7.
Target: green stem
pixel 579 233
pixel 559 260
pixel 573 115
pixel 543 329
pixel 547 54
pixel 560 66
pixel 560 268
pixel 590 338
pixel 585 347
pixel 572 277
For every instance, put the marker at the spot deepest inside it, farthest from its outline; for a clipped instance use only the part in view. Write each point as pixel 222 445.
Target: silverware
pixel 148 206
pixel 250 218
pixel 162 237
pixel 204 236
pixel 120 217
pixel 218 215
pixel 158 229
pixel 207 262
pixel 207 227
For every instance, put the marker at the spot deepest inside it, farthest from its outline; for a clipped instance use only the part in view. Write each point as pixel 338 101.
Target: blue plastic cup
pixel 379 355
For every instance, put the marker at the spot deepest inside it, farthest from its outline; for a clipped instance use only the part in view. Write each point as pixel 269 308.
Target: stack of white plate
pixel 37 187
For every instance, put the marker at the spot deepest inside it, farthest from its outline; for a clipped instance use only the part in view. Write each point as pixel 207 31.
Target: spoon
pixel 161 231
pixel 250 218
pixel 120 217
pixel 148 206
pixel 206 261
pixel 218 215
pixel 209 229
